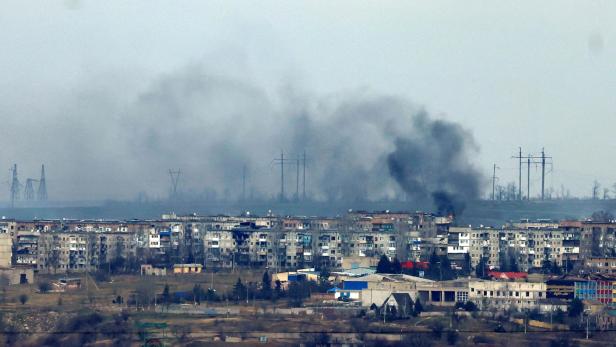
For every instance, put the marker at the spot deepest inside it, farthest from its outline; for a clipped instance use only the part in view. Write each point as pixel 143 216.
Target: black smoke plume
pixel 119 143
pixel 432 162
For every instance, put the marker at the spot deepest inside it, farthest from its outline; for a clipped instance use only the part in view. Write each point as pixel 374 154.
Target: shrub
pixel 437 329
pixel 44 287
pixel 23 298
pixel 452 337
pixel 470 306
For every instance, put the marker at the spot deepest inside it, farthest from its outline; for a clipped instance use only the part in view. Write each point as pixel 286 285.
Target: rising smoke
pixel 360 146
pixel 433 162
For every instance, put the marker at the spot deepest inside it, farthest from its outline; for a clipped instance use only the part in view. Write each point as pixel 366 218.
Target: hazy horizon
pixel 110 96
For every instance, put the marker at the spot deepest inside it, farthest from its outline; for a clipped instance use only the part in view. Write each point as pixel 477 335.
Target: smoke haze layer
pixel 103 143
pixel 433 162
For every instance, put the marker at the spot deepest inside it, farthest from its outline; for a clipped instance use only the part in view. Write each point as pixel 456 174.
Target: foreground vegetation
pixel 130 310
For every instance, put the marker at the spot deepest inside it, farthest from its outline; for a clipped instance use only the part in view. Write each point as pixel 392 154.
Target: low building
pixel 562 289
pixel 187 268
pixel 375 288
pixel 600 289
pixel 18 275
pixel 506 295
pixel 67 284
pixel 507 275
pixel 550 306
pixel 296 276
pixel 349 263
pixel 443 293
pixel 150 270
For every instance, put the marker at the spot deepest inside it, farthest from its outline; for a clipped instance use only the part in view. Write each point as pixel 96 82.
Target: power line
pixel 174 175
pixel 304 179
pixel 42 188
pixel 244 183
pixel 297 180
pixel 15 186
pixel 29 190
pixel 494 178
pixel 543 163
pixel 543 160
pixel 519 157
pixel 282 162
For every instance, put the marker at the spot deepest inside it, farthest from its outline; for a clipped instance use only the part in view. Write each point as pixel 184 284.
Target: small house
pixel 187 268
pixel 150 270
pixel 399 303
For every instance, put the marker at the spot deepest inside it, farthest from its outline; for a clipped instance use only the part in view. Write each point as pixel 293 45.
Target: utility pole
pixel 281 175
pixel 528 178
pixel 15 186
pixel 42 188
pixel 530 159
pixel 543 163
pixel 543 174
pixel 297 180
pixel 175 178
pixel 494 178
pixel 29 190
pixel 244 183
pixel 519 157
pixel 304 179
pixel 282 161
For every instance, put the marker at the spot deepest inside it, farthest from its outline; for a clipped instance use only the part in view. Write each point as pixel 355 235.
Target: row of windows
pixel 490 293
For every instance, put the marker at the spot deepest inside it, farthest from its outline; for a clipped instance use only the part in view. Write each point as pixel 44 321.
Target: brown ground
pixel 42 312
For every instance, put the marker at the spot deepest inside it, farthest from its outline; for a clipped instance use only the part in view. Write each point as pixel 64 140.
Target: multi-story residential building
pixel 597 239
pixel 296 242
pixel 601 265
pixel 484 243
pixel 535 224
pixel 6 253
pixel 458 246
pixel 82 251
pixel 545 245
pixel 25 248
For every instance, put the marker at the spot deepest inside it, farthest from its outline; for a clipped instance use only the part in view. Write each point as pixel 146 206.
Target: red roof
pixel 507 275
pixel 415 264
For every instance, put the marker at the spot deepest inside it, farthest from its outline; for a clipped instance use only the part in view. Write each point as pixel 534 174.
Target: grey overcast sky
pixel 521 73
